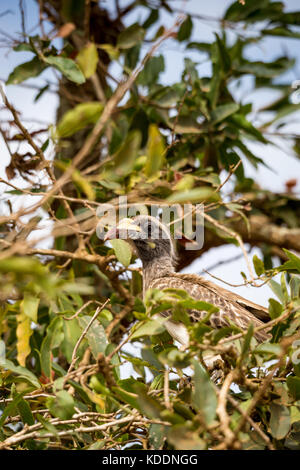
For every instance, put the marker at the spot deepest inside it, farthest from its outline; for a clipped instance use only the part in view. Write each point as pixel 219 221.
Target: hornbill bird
pixel 153 244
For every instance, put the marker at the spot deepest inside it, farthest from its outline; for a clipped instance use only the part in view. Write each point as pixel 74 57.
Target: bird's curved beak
pixel 122 230
pixel 112 234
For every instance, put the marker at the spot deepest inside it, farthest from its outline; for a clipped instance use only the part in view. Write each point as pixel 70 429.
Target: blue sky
pixel 283 164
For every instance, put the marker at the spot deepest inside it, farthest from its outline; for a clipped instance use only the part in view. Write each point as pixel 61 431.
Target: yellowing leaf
pixel 87 59
pixel 95 398
pixel 23 336
pixel 29 306
pixel 112 51
pixel 84 185
pixel 155 151
pixel 185 183
pixel 79 117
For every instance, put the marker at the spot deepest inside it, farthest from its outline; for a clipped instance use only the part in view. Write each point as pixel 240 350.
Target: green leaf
pixel 292 264
pixel 242 123
pixel 149 405
pixel 155 151
pixel 283 112
pixel 126 156
pixel 284 288
pixel 22 72
pixel 152 18
pixel 10 409
pixel 67 67
pixel 295 286
pixel 275 309
pixel 78 118
pixel 265 69
pixel 185 125
pixel 37 97
pixel 223 111
pixel 293 384
pixel 122 250
pixel 22 372
pixel 253 159
pixel 185 29
pixel 182 437
pixel 239 12
pixel 2 350
pixel 25 412
pixel 127 397
pixel 269 348
pixel 87 59
pixel 47 425
pixel 280 421
pixel 152 327
pixel 276 288
pixel 157 435
pixel 150 73
pixel 204 396
pixel 157 382
pixel 200 46
pixel 246 343
pixel 258 265
pixel 194 195
pixel 215 84
pixel 198 305
pixel 62 406
pixel 72 332
pixel 224 57
pixel 175 358
pixel 130 36
pixel 166 96
pixel 25 46
pixel 52 339
pixel 95 335
pixel 22 265
pixel 291 17
pixel 280 31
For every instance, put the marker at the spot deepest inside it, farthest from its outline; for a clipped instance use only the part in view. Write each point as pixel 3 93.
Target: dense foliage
pixel 67 312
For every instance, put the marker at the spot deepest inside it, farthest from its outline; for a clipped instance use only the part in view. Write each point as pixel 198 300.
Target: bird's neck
pixel 158 267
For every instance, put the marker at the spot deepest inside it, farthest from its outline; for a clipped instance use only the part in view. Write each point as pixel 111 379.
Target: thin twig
pixel 166 389
pixel 74 358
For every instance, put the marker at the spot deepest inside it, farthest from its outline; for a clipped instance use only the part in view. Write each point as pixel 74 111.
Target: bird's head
pixel 150 238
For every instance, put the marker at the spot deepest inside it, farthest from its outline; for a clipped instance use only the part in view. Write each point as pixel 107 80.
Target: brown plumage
pixel 153 244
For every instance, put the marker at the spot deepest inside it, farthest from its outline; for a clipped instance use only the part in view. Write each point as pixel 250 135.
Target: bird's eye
pixel 149 229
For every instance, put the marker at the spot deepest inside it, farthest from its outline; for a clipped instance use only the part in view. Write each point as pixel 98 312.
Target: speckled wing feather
pixel 231 306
